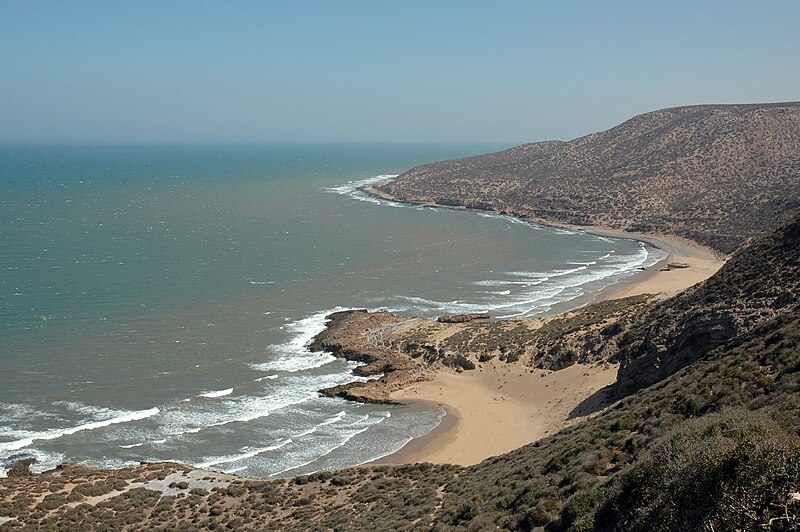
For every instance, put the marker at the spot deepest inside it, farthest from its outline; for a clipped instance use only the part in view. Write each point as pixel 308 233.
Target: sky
pixel 381 71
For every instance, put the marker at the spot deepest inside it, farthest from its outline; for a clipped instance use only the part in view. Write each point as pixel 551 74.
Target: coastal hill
pixel 713 445
pixel 715 174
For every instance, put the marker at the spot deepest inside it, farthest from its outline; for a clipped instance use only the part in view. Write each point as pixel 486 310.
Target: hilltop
pixel 715 174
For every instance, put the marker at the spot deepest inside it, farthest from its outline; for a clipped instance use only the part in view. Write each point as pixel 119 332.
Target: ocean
pixel 156 301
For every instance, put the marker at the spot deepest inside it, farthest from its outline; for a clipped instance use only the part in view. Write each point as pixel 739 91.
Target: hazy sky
pixel 230 71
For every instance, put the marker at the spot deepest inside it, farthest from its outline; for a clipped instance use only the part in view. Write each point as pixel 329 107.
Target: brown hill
pixel 716 174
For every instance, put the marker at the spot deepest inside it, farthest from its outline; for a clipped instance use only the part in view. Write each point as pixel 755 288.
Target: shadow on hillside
pixel 595 402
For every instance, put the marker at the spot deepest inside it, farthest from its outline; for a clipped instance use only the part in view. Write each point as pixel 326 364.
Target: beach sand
pixel 497 409
pixel 502 407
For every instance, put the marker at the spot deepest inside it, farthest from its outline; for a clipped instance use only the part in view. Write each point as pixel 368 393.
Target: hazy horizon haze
pixel 251 72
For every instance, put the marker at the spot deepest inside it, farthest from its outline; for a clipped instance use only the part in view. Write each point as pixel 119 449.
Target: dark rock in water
pixel 356 391
pixel 462 318
pixel 18 465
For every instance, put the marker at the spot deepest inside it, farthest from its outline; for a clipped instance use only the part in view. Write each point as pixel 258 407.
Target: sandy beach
pixel 699 263
pixel 502 407
pixel 498 409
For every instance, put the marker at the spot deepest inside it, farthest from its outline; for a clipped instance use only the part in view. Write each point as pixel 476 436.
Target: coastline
pixel 497 409
pixel 702 261
pixel 672 245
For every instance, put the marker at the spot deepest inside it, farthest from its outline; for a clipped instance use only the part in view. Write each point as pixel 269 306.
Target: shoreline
pixel 445 432
pixel 453 439
pixel 485 417
pixel 670 244
pixel 702 261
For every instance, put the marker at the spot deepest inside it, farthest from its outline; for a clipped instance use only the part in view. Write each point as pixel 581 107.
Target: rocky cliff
pixel 759 282
pixel 716 174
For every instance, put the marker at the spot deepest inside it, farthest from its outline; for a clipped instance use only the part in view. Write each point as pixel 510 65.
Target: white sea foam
pixel 504 282
pixel 244 455
pixel 291 390
pixel 539 291
pixel 347 437
pixel 353 189
pixel 533 275
pixel 290 365
pixel 330 421
pixel 262 407
pixel 125 417
pixel 561 273
pixel 216 393
pixel 268 377
pixel 294 355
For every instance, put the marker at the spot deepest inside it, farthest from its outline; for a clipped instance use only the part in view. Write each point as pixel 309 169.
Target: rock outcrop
pixel 396 351
pixel 463 318
pixel 358 336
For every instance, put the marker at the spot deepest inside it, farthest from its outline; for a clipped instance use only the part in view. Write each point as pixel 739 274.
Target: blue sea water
pixel 156 301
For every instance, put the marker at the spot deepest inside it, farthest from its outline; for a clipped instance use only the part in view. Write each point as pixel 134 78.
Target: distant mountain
pixel 716 174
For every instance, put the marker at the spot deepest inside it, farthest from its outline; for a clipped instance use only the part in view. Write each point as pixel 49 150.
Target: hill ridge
pixel 715 174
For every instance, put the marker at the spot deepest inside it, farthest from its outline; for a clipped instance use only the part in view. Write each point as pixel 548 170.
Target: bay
pixel 155 300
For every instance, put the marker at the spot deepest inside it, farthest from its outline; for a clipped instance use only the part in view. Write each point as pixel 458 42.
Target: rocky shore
pixel 397 352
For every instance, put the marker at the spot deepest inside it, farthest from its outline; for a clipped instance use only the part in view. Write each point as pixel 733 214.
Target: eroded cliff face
pixel 715 174
pixel 759 282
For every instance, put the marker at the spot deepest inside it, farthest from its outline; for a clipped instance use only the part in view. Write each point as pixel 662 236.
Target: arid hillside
pixel 715 174
pixel 756 284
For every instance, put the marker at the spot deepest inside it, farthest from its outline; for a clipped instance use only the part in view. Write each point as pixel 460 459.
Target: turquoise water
pixel 155 301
